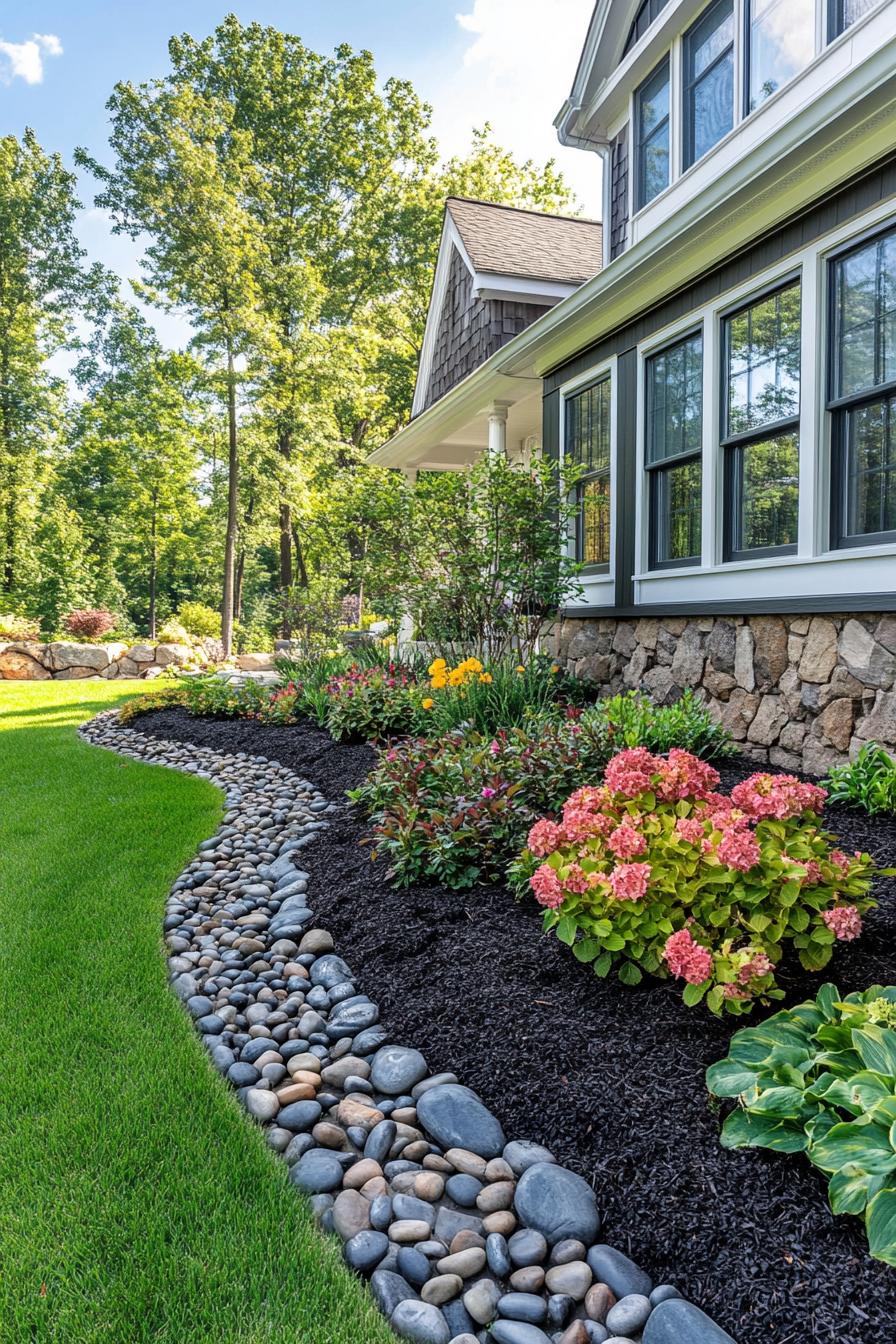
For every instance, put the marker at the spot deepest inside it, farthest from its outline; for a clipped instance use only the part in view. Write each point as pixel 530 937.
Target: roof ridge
pixel 524 210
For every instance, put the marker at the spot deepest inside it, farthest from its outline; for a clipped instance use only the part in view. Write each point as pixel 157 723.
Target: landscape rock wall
pixel 62 661
pixel 797 692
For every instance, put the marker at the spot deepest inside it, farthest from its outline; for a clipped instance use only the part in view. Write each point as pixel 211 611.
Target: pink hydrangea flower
pixel 780 796
pixel 576 879
pixel 690 829
pixel 629 881
pixel 546 886
pixel 840 862
pixel 733 992
pixel 686 958
pixel 626 841
pixel 844 921
pixel 813 872
pixel 544 837
pixel 686 776
pixel 632 772
pixel 739 849
pixel 758 965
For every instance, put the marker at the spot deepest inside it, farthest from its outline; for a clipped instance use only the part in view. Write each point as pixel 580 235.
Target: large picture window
pixel 781 44
pixel 652 124
pixel 863 393
pixel 760 425
pixel 708 80
pixel 673 448
pixel 587 442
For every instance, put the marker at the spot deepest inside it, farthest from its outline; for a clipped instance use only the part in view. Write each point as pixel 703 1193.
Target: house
pixel 727 375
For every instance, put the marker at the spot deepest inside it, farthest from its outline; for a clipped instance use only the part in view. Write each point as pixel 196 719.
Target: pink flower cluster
pixel 686 958
pixel 546 887
pixel 740 850
pixel 629 881
pixel 690 829
pixel 758 965
pixel 779 796
pixel 679 775
pixel 626 841
pixel 844 921
pixel 544 838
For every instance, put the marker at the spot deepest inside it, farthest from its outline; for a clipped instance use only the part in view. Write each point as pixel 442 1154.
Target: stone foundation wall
pixel 798 692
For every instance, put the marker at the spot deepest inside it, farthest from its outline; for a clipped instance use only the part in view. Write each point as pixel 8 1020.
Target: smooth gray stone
pixel 517 1332
pixel 679 1322
pixel 599 1334
pixel 395 1069
pixel 611 1267
pixel 449 1223
pixel 629 1315
pixel 522 1153
pixel 414 1265
pixel 557 1202
pixel 408 1206
pixel 481 1300
pixel 437 1080
pixel 317 1172
pixel 527 1307
pixel 369 1040
pixel 364 1251
pixel 348 1020
pixel 380 1140
pixel 463 1189
pixel 456 1118
pixel 560 1307
pixel 381 1212
pixel 527 1247
pixel 498 1255
pixel 663 1292
pixel 389 1289
pixel 330 970
pixel 460 1322
pixel 299 1116
pixel 420 1322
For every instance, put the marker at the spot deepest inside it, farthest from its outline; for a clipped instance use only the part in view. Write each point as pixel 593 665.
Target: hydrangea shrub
pixel 656 871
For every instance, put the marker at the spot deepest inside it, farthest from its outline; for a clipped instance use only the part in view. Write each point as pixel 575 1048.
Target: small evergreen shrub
pixel 820 1079
pixel 200 621
pixel 868 782
pixel 657 872
pixel 89 623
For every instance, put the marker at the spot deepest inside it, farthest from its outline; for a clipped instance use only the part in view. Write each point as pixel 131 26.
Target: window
pixel 587 417
pixel 760 425
pixel 863 393
pixel 674 442
pixel 648 10
pixel 844 13
pixel 781 43
pixel 652 105
pixel 708 81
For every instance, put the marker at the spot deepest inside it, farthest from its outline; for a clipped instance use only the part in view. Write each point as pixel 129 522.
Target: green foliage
pixel 212 698
pixel 14 627
pixel 657 872
pixel 821 1079
pixel 199 620
pixel 634 720
pixel 373 702
pixel 868 782
pixel 164 695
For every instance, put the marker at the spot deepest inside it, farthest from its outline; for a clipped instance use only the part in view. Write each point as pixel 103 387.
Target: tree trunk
pixel 153 572
pixel 240 574
pixel 232 510
pixel 284 445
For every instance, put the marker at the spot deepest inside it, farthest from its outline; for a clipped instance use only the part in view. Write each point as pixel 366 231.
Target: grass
pixel 137 1201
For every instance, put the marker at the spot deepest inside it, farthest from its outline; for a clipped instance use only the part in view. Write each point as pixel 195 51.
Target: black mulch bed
pixel 610 1078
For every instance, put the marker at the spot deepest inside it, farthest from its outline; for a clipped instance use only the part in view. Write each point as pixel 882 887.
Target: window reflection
pixel 782 42
pixel 709 80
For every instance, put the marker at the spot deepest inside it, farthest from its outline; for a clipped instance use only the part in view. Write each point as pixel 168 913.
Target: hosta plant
pixel 868 782
pixel 656 871
pixel 821 1079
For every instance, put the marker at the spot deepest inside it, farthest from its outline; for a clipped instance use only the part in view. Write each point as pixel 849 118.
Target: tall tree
pixel 42 283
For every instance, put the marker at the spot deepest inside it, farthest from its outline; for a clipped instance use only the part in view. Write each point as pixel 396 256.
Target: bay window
pixel 760 425
pixel 587 443
pixel 708 80
pixel 673 449
pixel 652 135
pixel 862 393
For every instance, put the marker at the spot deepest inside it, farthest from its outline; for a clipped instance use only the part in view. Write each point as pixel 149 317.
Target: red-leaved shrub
pixel 89 622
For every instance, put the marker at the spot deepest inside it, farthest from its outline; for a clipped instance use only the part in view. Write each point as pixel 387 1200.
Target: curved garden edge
pixel 368 1131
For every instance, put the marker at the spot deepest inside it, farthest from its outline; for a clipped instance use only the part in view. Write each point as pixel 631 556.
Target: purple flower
pixel 488 793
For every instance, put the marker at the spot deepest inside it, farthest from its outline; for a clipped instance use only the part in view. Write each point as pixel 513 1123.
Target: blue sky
pixel 510 62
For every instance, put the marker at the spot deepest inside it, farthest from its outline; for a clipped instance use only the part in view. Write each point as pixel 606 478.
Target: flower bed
pixel 611 1077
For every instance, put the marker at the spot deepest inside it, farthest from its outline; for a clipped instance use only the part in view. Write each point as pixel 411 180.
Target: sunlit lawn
pixel 137 1203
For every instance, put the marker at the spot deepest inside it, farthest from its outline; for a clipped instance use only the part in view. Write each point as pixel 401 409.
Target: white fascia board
pixel 449 241
pixel 520 289
pixel 603 33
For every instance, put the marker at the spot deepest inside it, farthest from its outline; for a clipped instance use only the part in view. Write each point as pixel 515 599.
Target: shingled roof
pixel 502 240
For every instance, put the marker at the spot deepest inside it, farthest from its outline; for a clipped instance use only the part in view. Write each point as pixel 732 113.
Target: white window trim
pixel 705 581
pixel 599 589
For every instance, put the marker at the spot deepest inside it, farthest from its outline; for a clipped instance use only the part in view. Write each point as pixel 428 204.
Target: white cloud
pixel 516 71
pixel 25 60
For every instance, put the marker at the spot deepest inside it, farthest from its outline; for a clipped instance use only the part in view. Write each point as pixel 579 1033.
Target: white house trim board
pixel 449 242
pixel 519 289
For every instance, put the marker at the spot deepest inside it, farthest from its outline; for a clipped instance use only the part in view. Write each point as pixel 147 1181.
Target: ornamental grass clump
pixel 821 1079
pixel 656 871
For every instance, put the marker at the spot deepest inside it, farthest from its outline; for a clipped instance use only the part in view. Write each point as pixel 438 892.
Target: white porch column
pixel 497 429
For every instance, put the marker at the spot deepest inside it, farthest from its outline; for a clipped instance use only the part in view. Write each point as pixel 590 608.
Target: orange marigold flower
pixel 427 703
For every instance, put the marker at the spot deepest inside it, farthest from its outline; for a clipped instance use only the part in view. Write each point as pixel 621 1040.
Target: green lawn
pixel 137 1202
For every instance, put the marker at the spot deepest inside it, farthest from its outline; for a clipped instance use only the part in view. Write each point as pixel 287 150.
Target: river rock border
pixel 465 1238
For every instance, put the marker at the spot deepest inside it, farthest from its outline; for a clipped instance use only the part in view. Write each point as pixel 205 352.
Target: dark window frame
pixel 603 473
pixel 656 470
pixel 835 26
pixel 648 11
pixel 732 445
pixel 839 408
pixel 638 140
pixel 689 83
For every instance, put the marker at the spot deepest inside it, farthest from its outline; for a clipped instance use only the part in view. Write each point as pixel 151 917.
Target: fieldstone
pixel 351 1214
pixel 679 1322
pixel 738 712
pixel 770 655
pixel 441 1289
pixel 835 723
pixel 523 1307
pixel 481 1301
pixel 557 1203
pixel 15 666
pixel 819 656
pixel 720 645
pixel 573 1279
pixel 65 657
pixel 687 662
pixel 522 1153
pixel 629 1315
pixel 517 1332
pixel 770 718
pixel 743 658
pixel 394 1070
pixel 456 1118
pixel 621 1274
pixel 867 660
pixel 421 1322
pixel 141 653
pixel 660 685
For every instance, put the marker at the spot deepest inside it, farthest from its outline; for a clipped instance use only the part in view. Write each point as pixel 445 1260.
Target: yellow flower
pixel 485 678
pixel 472 665
pixel 438 666
pixel 427 703
pixel 439 682
pixel 554 670
pixel 455 677
pixel 520 668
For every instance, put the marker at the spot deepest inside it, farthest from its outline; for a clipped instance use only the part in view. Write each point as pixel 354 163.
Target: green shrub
pixel 657 872
pixel 868 782
pixel 821 1079
pixel 210 697
pixel 166 696
pixel 200 621
pixel 372 702
pixel 14 627
pixel 633 720
pixel 172 632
